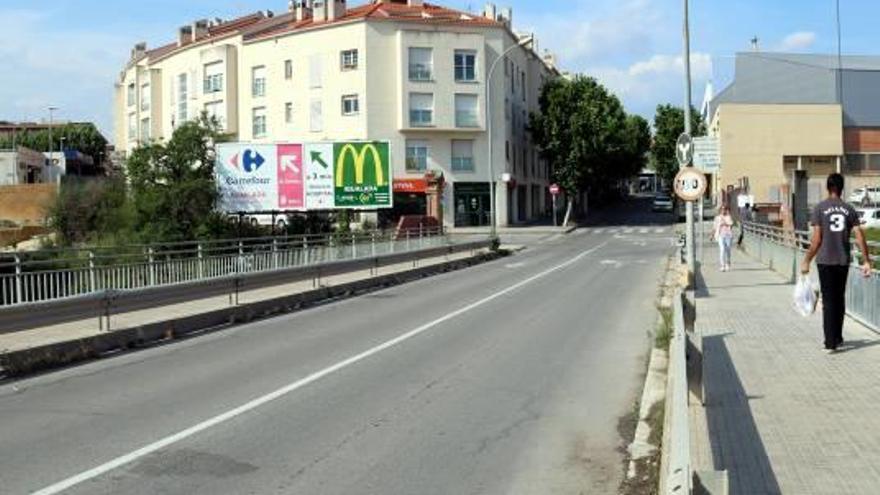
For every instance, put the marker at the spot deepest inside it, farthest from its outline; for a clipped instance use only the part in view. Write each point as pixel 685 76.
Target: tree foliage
pixel 584 132
pixel 173 189
pixel 81 137
pixel 668 126
pixel 95 211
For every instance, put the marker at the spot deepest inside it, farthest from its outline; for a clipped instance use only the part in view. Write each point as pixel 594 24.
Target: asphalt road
pixel 507 378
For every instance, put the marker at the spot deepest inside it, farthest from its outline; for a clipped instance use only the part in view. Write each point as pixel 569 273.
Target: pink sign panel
pixel 291 187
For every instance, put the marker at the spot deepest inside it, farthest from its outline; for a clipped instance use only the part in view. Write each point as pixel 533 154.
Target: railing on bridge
pixel 50 275
pixel 784 251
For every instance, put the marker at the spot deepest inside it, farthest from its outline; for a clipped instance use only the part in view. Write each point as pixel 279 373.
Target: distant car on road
pixel 870 217
pixel 863 195
pixel 663 203
pixel 709 210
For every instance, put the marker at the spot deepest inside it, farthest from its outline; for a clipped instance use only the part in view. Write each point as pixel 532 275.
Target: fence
pixel 783 251
pixel 44 276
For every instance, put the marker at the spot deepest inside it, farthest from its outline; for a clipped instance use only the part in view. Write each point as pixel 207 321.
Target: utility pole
pixel 690 234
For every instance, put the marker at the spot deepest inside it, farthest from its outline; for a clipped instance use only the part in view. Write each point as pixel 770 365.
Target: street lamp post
pixel 526 40
pixel 51 144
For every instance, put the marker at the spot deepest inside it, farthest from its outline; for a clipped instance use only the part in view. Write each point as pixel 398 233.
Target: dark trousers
pixel 833 281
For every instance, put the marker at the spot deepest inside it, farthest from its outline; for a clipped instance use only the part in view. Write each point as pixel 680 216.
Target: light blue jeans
pixel 724 245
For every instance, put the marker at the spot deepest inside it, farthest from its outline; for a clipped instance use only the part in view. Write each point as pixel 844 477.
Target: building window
pixel 130 95
pixel 466 112
pixel 350 105
pixel 465 65
pixel 315 71
pixel 349 60
pixel 182 98
pixel 416 156
pixel 316 115
pixel 288 69
pixel 421 64
pixel 421 109
pixel 258 81
pixel 213 78
pixel 288 113
pixel 462 155
pixel 146 97
pixel 145 129
pixel 523 85
pixel 259 122
pixel 132 126
pixel 216 110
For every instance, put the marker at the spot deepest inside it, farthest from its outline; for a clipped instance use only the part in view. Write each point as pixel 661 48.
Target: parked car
pixel 663 202
pixel 864 195
pixel 870 217
pixel 709 210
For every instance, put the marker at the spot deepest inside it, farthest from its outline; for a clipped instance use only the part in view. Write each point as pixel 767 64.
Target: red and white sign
pixel 555 189
pixel 291 186
pixel 410 185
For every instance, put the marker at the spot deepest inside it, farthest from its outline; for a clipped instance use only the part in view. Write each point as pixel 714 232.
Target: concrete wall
pixel 755 139
pixel 27 204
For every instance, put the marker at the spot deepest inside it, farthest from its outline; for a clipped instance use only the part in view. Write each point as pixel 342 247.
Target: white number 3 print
pixel 838 223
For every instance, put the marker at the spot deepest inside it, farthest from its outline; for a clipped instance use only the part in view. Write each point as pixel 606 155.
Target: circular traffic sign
pixel 555 189
pixel 690 184
pixel 684 150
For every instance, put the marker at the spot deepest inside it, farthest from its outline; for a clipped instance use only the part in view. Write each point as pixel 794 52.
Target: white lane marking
pixel 629 231
pixel 644 231
pixel 515 265
pixel 281 392
pixel 660 231
pixel 612 263
pixel 599 231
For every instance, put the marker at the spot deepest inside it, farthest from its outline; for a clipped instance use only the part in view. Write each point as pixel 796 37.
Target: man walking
pixel 833 222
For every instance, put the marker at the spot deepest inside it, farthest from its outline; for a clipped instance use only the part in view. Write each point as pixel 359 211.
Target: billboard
pixel 362 175
pixel 298 177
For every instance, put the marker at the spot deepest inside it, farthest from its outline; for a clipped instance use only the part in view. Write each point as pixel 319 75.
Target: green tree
pixel 668 126
pixel 582 131
pixel 638 143
pixel 94 211
pixel 173 188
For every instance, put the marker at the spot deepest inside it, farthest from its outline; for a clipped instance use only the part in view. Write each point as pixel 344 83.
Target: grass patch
pixel 664 330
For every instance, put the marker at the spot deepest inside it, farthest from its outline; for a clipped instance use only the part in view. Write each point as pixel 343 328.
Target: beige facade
pixel 417 81
pixel 765 143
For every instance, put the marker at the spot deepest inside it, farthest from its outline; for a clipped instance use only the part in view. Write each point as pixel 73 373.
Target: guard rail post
pixel 373 244
pixel 201 257
pixel 152 266
pixel 306 249
pixel 18 284
pixel 275 254
pixel 354 249
pixel 92 286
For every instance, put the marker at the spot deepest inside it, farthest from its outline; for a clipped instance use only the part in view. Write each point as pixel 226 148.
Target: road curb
pixel 24 362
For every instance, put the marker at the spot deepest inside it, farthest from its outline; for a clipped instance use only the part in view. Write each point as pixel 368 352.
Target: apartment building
pixel 403 71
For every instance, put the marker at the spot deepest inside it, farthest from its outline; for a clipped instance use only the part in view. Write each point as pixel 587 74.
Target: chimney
pixel 319 10
pixel 199 29
pixel 303 10
pixel 184 35
pixel 507 16
pixel 139 50
pixel 490 12
pixel 335 9
pixel 415 3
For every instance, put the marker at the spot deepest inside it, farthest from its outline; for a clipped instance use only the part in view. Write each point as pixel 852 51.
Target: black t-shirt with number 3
pixel 837 219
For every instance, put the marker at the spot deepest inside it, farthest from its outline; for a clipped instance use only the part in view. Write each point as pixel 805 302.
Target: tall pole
pixel 689 206
pixel 51 144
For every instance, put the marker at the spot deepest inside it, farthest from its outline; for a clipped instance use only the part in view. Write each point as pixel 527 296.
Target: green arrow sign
pixel 316 158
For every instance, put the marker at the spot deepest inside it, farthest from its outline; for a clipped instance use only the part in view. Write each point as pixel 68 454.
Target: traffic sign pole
pixel 691 234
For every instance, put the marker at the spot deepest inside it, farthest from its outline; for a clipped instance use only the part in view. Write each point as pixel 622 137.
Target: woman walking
pixel 723 233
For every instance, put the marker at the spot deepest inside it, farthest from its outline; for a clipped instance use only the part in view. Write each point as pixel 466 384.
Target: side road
pixel 59 344
pixel 782 416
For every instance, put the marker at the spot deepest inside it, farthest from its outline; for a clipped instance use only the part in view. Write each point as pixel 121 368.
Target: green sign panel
pixel 362 175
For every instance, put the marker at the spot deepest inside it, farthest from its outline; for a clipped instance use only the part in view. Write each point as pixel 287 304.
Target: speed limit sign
pixel 690 184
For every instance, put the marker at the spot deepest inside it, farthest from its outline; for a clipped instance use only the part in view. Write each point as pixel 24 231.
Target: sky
pixel 68 53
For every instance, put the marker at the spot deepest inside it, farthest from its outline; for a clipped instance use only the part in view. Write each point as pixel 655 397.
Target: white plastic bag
pixel 805 299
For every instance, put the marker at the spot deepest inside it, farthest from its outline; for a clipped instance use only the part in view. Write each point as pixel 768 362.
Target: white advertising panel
pixel 318 160
pixel 247 176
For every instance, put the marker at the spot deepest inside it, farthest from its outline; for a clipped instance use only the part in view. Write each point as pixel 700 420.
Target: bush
pixel 92 211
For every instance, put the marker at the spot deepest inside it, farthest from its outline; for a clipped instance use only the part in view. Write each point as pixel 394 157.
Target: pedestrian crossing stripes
pixel 628 230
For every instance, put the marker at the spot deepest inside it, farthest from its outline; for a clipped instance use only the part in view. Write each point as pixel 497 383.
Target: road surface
pixel 507 378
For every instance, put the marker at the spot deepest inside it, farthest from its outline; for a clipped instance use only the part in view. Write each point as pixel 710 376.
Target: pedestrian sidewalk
pixel 781 416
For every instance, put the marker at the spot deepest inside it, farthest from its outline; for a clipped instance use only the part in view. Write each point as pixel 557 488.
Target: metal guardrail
pixel 50 275
pixel 679 475
pixel 783 251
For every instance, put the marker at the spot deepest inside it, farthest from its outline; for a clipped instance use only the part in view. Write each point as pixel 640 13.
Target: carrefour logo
pixel 251 160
